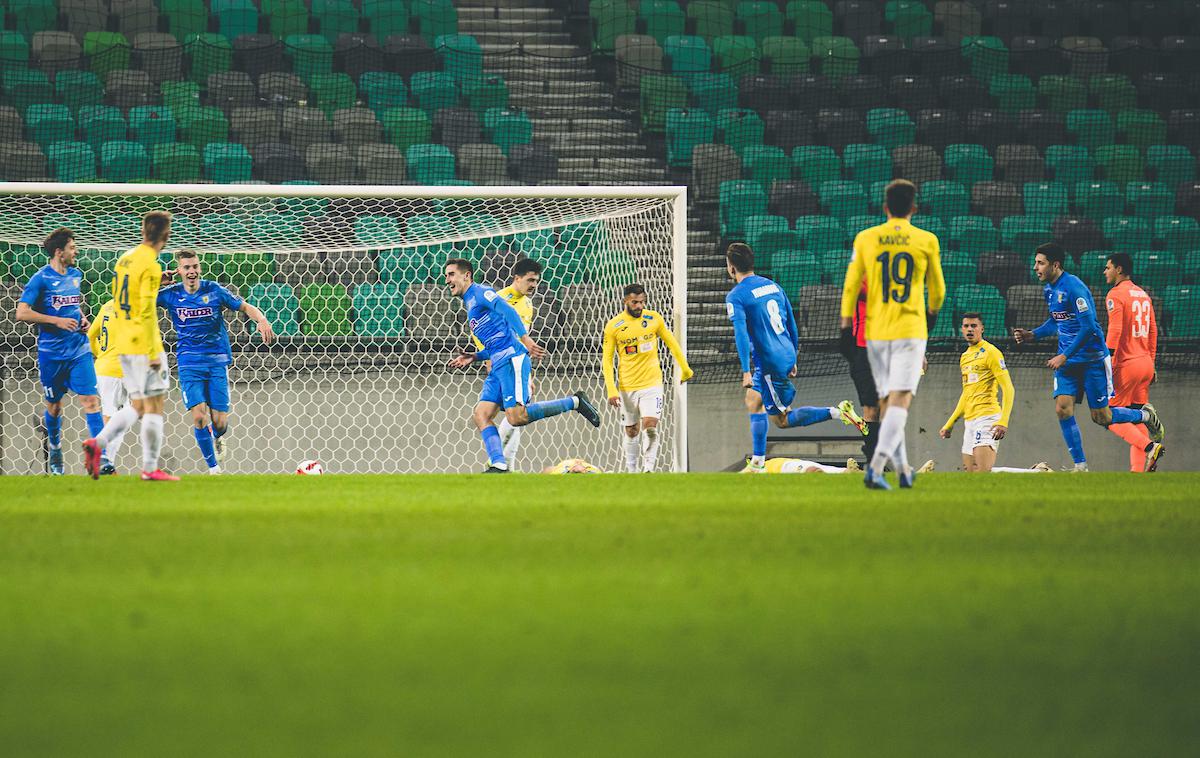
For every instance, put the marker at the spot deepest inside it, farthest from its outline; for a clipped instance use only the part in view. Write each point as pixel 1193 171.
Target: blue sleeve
pixel 498 305
pixel 230 300
pixel 163 298
pixel 1047 328
pixel 791 325
pixel 483 354
pixel 1087 320
pixel 33 290
pixel 741 337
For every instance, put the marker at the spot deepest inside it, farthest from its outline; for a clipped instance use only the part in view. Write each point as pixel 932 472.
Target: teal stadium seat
pixel 685 130
pixel 378 310
pixel 227 162
pixel 740 128
pixel 430 164
pixel 279 304
pixel 816 164
pixel 739 199
pixel 124 161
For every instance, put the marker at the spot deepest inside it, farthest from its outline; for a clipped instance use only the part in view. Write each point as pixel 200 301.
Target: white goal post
pixel 351 278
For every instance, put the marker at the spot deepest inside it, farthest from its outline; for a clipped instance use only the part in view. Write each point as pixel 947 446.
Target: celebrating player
pixel 108 378
pixel 985 383
pixel 527 274
pixel 764 329
pixel 854 349
pixel 899 261
pixel 52 301
pixel 508 346
pixel 1082 364
pixel 139 345
pixel 1133 340
pixel 202 350
pixel 633 335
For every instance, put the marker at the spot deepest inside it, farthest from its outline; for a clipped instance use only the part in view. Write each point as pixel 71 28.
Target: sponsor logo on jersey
pixel 204 299
pixel 183 314
pixel 1060 297
pixel 631 349
pixel 65 301
pixel 1062 315
pixel 765 290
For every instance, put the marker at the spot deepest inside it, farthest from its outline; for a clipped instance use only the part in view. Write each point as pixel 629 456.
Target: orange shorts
pixel 1131 381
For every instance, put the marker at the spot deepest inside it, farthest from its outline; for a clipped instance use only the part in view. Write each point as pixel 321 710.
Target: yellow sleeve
pixel 853 283
pixel 606 362
pixel 664 334
pixel 151 281
pixel 935 282
pixel 1008 396
pixel 93 333
pixel 958 411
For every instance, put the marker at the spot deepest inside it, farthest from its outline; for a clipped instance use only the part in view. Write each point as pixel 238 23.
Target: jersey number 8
pixel 897 269
pixel 776 317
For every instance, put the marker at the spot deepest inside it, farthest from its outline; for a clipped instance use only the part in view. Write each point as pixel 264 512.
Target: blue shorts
pixel 507 385
pixel 776 390
pixel 1092 379
pixel 205 384
pixel 58 375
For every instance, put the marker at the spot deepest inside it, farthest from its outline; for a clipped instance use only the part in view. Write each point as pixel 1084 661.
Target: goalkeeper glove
pixel 847 342
pixel 930 319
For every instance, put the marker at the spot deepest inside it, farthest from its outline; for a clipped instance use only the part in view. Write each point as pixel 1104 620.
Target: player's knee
pixel 90 403
pixel 632 431
pixel 517 415
pixel 54 408
pixel 1064 411
pixel 780 420
pixel 1102 416
pixel 649 423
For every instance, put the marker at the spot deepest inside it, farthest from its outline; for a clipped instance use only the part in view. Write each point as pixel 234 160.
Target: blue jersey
pixel 201 338
pixel 53 294
pixel 764 326
pixel 495 324
pixel 1073 317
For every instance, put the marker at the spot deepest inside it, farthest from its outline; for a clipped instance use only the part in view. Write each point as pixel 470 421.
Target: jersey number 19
pixel 896 269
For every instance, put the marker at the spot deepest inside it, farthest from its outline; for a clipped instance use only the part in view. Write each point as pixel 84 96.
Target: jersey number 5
pixel 775 315
pixel 123 297
pixel 897 269
pixel 104 334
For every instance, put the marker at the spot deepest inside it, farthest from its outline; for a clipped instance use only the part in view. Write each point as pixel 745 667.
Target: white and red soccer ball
pixel 310 468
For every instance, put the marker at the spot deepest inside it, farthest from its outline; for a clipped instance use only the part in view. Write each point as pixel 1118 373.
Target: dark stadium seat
pixel 913 92
pixel 277 162
pixel 812 92
pixel 787 129
pixel 862 92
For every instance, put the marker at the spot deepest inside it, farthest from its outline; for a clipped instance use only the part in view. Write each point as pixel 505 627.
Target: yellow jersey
pixel 899 262
pixel 135 290
pixel 520 303
pixel 984 379
pixel 574 466
pixel 108 363
pixel 634 341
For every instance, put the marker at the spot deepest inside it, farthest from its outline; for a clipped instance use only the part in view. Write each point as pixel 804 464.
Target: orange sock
pixel 1138 439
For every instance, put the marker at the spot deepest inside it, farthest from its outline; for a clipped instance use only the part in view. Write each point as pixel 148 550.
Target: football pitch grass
pixel 702 615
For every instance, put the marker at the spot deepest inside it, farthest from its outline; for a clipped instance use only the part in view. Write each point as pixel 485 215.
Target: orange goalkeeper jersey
pixel 1132 331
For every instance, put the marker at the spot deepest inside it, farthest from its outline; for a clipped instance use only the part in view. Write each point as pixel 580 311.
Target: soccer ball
pixel 310 467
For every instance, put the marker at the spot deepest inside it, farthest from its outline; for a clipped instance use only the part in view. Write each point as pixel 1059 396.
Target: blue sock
pixel 491 442
pixel 1070 433
pixel 808 414
pixel 758 433
pixel 1127 416
pixel 95 424
pixel 548 408
pixel 204 441
pixel 53 429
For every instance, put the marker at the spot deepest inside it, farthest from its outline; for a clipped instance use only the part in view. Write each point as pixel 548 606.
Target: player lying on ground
pixel 108 379
pixel 139 346
pixel 1133 341
pixel 899 261
pixel 52 302
pixel 764 329
pixel 987 397
pixel 572 466
pixel 508 346
pixel 1082 365
pixel 202 350
pixel 801 466
pixel 633 335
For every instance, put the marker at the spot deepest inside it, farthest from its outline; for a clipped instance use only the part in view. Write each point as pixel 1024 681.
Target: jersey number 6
pixel 897 269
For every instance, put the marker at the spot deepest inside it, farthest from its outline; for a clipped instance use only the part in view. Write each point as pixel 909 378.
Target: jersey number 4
pixel 123 296
pixel 897 270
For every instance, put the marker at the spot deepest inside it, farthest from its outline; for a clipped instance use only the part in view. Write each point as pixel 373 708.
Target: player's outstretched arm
pixel 259 318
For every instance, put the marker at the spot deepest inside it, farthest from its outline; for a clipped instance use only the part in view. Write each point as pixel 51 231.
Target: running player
pixel 1133 341
pixel 108 378
pixel 632 336
pixel 1082 365
pixel 139 345
pixel 508 346
pixel 985 383
pixel 764 330
pixel 899 262
pixel 52 301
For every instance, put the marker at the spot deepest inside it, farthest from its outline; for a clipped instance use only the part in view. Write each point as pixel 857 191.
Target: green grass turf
pixel 706 615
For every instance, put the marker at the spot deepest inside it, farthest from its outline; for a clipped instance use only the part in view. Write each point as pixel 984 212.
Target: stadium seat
pixel 158 54
pixel 712 165
pixel 23 88
pixel 1177 234
pixel 968 164
pixel 1171 165
pixel 332 92
pixel 1099 200
pixel 22 161
pixel 686 129
pixel 1120 163
pixel 101 123
pixel 820 234
pixel 1126 234
pixel 1062 93
pixel 185 17
pixel 378 310
pixel 957 271
pixel 1012 92
pixel 381 164
pixel 54 51
pixel 128 89
pixel 455 127
pixel 1069 164
pixel 982 298
pixel 405 127
pixel 891 127
pixel 355 53
pixel 1113 92
pixel 787 129
pixel 867 164
pixel 72 161
pixel 794 269
pixel 1092 129
pixel 325 310
pixel 306 126
pixel 810 18
pixel 713 92
pixel 661 19
pixel 200 126
pixel 917 163
pixel 32 16
pixel 766 164
pixel 310 54
pixel 47 123
pixel 276 163
pixel 740 128
pixel 235 17
pixel 837 56
pixel 973 235
pixel 1023 233
pixel 1150 199
pixel 1045 199
pixel 760 20
pixel 944 199
pixel 985 56
pixel 1181 304
pixel 740 199
pixel 209 54
pixel 843 199
pixel 176 162
pixel 227 162
pixel 816 164
pixel 430 164
pixel 152 125
pixel 124 161
pixel 659 94
pixel 434 18
pixel 279 304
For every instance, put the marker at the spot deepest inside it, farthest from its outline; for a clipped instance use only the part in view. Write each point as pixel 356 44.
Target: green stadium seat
pixel 430 164
pixel 72 161
pixel 1191 266
pixel 980 298
pixel 106 52
pixel 333 92
pixel 1172 165
pixel 973 235
pixel 685 129
pixel 968 164
pixel 14 51
pixel 209 54
pixel 462 57
pixel 118 226
pixel 124 161
pixel 101 123
pixel 434 18
pixel 1092 128
pixel 1091 267
pixel 659 94
pixel 1045 199
pixel 23 88
pixel 740 128
pixel 1120 163
pixel 1157 269
pixel 867 164
pixel 838 56
pixel 488 92
pixel 958 271
pixel 891 127
pixel 276 230
pixel 506 128
pixel 335 17
pixel 1182 306
pixel 434 90
pixel 713 92
pixel 686 55
pixel 944 199
pixel 279 304
pixel 843 199
pixel 609 20
pixel 1126 234
pixel 202 125
pixel 833 265
pixel 405 127
pixel 1070 164
pixel 227 162
pixel 908 18
pixel 1062 93
pixel 766 164
pixel 285 18
pixel 386 17
pixel 760 19
pixel 662 19
pixel 176 162
pixel 179 96
pixel 1150 199
pixel 75 89
pixel 152 125
pixel 794 269
pixel 736 55
pixel 986 56
pixel 1113 92
pixel 235 17
pixel 739 199
pixel 185 17
pixel 1178 234
pixel 383 90
pixel 931 224
pixel 785 56
pixel 856 224
pixel 710 19
pixel 816 164
pixel 1022 234
pixel 32 16
pixel 820 234
pixel 1013 92
pixel 47 123
pixel 811 19
pixel 1142 128
pixel 310 54
pixel 378 310
pixel 768 242
pixel 758 225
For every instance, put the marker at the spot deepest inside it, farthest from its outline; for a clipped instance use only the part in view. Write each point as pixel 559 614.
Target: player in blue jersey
pixel 507 344
pixel 764 329
pixel 202 350
pixel 52 301
pixel 1082 365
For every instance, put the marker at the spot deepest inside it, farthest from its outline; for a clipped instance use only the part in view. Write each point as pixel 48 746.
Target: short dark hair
pixel 741 257
pixel 973 315
pixel 57 240
pixel 462 264
pixel 187 254
pixel 900 197
pixel 527 266
pixel 1123 261
pixel 156 226
pixel 1054 252
pixel 634 289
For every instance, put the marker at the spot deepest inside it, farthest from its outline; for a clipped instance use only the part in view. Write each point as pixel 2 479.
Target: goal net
pixel 351 280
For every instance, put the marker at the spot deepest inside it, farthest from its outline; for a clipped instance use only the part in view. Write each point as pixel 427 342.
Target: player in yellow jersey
pixel 899 261
pixel 987 398
pixel 632 336
pixel 572 466
pixel 527 274
pixel 108 377
pixel 801 466
pixel 138 343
